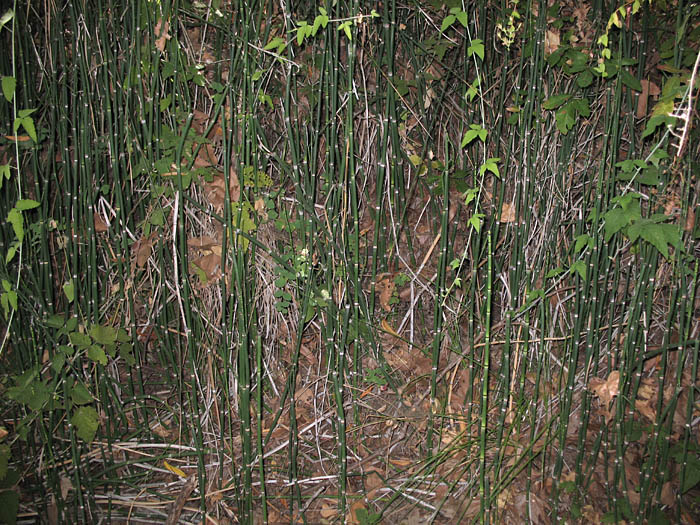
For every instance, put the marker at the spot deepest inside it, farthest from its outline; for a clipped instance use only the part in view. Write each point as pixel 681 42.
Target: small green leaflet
pixel 490 165
pixel 69 290
pixel 476 220
pixel 475 131
pixel 476 48
pixel 8 87
pixel 555 101
pixel 85 421
pixel 345 26
pixel 580 268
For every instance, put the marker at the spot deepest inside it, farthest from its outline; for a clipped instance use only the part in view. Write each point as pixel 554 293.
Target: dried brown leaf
pixel 551 41
pixel 507 212
pixel 161 31
pixel 100 224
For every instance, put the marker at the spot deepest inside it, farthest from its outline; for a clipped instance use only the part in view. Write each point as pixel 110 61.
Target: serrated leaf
pixel 8 87
pixel 97 354
pixel 80 395
pixel 585 79
pixel 85 422
pixel 565 119
pixel 104 335
pixel 57 362
pixel 555 101
pixel 82 341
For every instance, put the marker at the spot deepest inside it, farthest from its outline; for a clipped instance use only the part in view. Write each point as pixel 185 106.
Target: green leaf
pixel 462 19
pixel 447 22
pixel 476 220
pixel 69 290
pixel 4 459
pixel 26 204
pixel 28 124
pixel 11 252
pixel 6 17
pixel 55 321
pixel 29 390
pixel 565 118
pixel 692 474
pixel 346 27
pixel 579 267
pixel 24 113
pixel 585 79
pixel 659 235
pixel 274 43
pixel 85 421
pixel 476 47
pixel 97 354
pixel 8 87
pixel 82 341
pixel 80 395
pixel 476 131
pixel 14 217
pixel 630 81
pixel 11 299
pixel 9 506
pixel 555 101
pixel 490 165
pixel 104 335
pixel 583 241
pixel 57 362
pixel 126 353
pixel 470 195
pixel 615 220
pixel 656 121
pixel 554 272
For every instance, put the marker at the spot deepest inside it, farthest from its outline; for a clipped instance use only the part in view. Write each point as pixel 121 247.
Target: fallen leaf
pixel 648 89
pixel 551 41
pixel 606 389
pixel 161 31
pixel 386 287
pixel 101 225
pixel 507 212
pixel 142 250
pixel 668 496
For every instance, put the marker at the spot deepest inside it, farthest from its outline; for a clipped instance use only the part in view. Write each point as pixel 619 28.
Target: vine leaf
pixel 654 231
